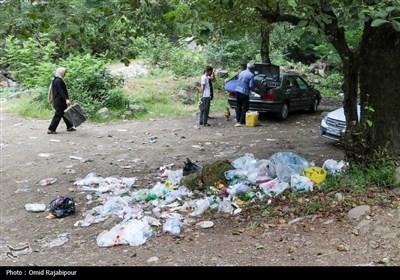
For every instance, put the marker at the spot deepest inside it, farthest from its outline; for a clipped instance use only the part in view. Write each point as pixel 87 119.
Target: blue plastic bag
pixel 230 86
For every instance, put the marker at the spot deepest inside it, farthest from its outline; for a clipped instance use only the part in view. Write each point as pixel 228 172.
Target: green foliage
pixel 162 53
pixel 30 61
pixel 99 26
pixel 329 54
pixel 312 206
pixel 231 51
pixel 331 84
pixel 187 62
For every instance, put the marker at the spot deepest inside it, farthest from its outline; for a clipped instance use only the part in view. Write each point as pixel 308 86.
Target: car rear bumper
pixel 261 106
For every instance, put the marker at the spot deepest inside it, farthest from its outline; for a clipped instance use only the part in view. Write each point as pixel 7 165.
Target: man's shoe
pixel 71 129
pixel 238 124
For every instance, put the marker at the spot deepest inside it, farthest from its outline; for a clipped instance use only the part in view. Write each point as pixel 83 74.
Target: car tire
pixel 314 106
pixel 283 112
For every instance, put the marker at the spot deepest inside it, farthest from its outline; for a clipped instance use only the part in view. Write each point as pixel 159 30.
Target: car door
pixel 305 93
pixel 292 91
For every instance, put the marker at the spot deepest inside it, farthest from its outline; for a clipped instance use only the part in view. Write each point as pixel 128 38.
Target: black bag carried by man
pixel 202 104
pixel 75 114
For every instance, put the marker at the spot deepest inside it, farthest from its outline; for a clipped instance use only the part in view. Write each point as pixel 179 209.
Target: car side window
pixel 291 83
pixel 302 84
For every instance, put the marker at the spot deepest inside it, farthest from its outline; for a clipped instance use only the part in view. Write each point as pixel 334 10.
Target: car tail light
pixel 232 94
pixel 268 96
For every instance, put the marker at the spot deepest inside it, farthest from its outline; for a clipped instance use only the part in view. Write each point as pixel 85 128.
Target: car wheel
pixel 314 106
pixel 283 112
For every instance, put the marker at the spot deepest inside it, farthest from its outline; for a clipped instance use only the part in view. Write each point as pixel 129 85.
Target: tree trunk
pixel 350 88
pixel 265 45
pixel 380 88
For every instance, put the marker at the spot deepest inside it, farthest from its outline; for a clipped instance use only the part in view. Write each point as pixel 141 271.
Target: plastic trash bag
pixel 238 189
pixel 333 167
pixel 132 232
pixel 300 183
pixel 274 187
pixel 230 86
pixel 236 175
pixel 173 226
pixel 62 206
pixel 225 205
pixel 247 162
pixel 201 205
pixel 285 164
pixel 316 174
pixel 190 167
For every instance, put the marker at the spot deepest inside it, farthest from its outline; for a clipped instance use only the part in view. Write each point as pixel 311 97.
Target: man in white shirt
pixel 205 95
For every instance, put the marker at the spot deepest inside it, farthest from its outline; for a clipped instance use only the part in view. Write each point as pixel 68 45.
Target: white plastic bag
pixel 201 206
pixel 300 183
pixel 333 167
pixel 247 162
pixel 133 232
pixel 274 187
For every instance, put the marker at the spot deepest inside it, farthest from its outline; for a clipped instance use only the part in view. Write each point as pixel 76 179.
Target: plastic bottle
pixel 173 226
pixel 47 181
pixel 176 228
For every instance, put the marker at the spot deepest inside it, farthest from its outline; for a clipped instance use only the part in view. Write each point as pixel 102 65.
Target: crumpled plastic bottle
pixel 47 181
pixel 173 226
pixel 176 228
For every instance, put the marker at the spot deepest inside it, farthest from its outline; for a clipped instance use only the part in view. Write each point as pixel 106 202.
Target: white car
pixel 334 124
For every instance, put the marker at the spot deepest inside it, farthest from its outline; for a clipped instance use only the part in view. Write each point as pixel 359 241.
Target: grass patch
pixel 360 177
pixel 27 106
pixel 156 94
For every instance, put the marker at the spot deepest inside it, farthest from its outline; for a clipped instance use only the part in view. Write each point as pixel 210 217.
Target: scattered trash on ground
pixel 59 241
pixel 45 155
pixel 169 204
pixel 76 158
pixel 14 251
pixel 35 207
pixel 205 224
pixel 152 139
pixel 334 167
pixel 190 167
pixel 62 206
pixel 47 181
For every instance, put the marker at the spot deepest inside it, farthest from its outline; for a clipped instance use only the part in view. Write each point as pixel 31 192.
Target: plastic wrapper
pixel 274 187
pixel 133 232
pixel 334 167
pixel 285 164
pixel 300 183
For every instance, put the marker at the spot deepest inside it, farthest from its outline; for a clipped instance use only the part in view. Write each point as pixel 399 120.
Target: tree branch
pixel 272 17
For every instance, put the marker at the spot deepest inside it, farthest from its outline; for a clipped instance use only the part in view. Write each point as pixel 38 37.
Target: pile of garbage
pixel 173 206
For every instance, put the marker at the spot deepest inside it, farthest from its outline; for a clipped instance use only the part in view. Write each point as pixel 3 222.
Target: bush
pixel 30 62
pixel 230 52
pixel 91 84
pixel 163 54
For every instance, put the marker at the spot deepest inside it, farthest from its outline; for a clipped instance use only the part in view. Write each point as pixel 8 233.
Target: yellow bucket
pixel 251 118
pixel 316 174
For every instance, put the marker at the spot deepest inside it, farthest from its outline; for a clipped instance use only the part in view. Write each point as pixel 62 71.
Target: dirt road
pixel 138 149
